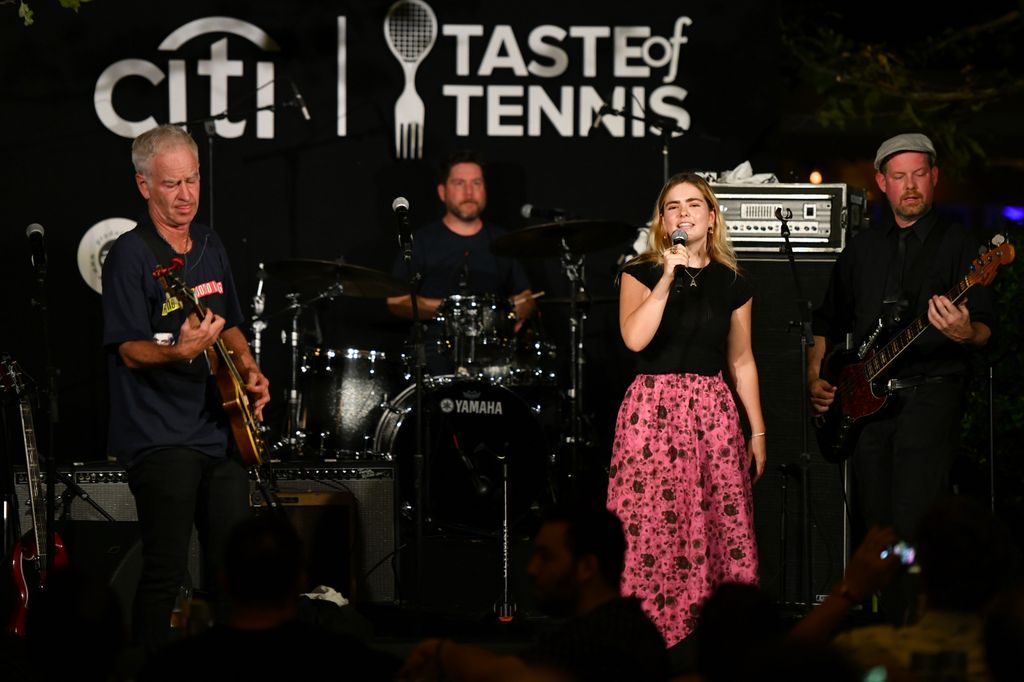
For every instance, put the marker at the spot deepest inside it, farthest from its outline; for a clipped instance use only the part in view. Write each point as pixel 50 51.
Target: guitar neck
pixel 881 361
pixel 35 482
pixel 223 354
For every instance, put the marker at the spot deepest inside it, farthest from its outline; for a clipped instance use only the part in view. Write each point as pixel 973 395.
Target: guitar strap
pixel 160 248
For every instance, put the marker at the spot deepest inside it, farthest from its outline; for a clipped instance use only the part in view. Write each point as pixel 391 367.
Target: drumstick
pixel 524 299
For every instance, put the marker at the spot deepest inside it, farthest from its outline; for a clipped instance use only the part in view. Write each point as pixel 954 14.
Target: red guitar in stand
pixel 28 557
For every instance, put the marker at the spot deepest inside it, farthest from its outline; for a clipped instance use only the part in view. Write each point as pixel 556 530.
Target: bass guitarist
pixel 888 275
pixel 168 424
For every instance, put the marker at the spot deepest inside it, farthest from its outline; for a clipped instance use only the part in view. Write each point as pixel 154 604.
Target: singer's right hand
pixel 674 256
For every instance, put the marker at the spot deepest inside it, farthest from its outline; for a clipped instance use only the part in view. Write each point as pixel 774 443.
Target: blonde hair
pixel 719 246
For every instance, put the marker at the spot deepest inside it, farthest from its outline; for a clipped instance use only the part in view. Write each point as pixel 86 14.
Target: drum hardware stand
pixel 506 608
pixel 259 325
pixel 806 341
pixel 294 438
pixel 573 267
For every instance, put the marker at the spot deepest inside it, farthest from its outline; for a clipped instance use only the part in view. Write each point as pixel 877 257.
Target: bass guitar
pixel 244 427
pixel 29 557
pixel 858 375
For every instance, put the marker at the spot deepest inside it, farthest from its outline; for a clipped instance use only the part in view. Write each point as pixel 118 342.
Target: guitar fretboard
pixel 880 361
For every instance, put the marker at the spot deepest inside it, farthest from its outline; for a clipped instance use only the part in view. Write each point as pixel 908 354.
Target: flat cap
pixel 905 142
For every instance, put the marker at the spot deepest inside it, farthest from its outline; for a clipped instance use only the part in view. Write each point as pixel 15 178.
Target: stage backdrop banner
pixel 312 117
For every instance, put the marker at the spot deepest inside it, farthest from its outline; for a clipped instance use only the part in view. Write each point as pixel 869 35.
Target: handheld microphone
pixel 299 100
pixel 401 208
pixel 35 233
pixel 531 211
pixel 678 239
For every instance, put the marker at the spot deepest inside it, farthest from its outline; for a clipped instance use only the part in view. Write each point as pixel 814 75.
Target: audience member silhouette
pixel 1004 635
pixel 738 620
pixel 575 571
pixel 964 556
pixel 74 628
pixel 264 637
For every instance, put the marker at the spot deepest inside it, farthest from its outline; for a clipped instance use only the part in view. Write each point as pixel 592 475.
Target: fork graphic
pixel 410 29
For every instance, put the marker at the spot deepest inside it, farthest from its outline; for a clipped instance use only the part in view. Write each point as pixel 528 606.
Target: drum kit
pixel 493 427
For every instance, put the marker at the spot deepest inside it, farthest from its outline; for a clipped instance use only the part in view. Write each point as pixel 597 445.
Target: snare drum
pixel 476 333
pixel 472 427
pixel 341 396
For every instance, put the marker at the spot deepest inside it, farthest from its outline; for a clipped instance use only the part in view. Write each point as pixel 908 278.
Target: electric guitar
pixel 29 556
pixel 858 375
pixel 244 427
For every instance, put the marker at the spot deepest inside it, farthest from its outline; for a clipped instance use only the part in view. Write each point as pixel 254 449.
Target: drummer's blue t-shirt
pixel 444 259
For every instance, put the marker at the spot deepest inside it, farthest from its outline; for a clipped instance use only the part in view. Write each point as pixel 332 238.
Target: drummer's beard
pixel 468 210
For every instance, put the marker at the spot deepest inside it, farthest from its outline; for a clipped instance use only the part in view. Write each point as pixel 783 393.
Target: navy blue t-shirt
pixel 443 258
pixel 173 405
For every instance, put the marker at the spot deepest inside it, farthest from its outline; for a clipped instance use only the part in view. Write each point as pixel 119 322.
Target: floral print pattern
pixel 680 483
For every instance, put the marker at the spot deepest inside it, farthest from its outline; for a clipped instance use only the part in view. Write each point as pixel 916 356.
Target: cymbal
pixel 310 274
pixel 551 239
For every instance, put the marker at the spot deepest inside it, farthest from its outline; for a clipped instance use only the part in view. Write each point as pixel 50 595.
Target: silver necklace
pixel 693 278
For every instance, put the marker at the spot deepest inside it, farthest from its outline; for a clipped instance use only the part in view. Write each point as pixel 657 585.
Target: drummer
pixel 453 255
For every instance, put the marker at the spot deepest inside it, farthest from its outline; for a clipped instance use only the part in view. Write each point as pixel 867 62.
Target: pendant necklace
pixel 693 278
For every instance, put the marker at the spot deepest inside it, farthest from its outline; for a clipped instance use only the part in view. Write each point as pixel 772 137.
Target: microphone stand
pixel 803 323
pixel 666 127
pixel 50 390
pixel 210 128
pixel 418 458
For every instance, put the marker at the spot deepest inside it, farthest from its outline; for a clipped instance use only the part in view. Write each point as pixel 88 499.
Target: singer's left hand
pixel 758 451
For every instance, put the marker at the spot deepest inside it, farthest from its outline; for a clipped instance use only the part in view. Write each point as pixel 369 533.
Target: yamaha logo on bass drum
pixel 470 406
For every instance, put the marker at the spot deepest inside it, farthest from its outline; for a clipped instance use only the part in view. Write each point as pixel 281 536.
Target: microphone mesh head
pixel 526 210
pixel 34 228
pixel 400 202
pixel 678 236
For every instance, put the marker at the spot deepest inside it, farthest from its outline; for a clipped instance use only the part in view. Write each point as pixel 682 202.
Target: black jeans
pixel 174 489
pixel 901 466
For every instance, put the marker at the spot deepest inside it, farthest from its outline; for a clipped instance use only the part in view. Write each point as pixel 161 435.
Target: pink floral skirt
pixel 680 483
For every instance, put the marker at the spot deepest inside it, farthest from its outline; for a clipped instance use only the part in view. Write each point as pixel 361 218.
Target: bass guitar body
pixel 856 400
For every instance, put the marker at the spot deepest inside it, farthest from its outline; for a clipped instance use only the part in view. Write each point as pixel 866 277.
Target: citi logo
pixel 219 69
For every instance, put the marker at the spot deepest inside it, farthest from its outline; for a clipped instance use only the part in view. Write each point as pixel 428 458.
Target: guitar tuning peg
pixel 982 250
pixel 998 240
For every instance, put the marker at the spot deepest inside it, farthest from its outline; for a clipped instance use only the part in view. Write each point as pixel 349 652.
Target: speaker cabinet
pixel 778 496
pixel 344 506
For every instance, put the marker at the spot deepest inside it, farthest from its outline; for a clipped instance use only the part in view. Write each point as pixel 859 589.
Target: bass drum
pixel 472 429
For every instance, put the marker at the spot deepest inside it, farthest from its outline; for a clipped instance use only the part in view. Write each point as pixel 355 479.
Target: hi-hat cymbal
pixel 552 239
pixel 305 274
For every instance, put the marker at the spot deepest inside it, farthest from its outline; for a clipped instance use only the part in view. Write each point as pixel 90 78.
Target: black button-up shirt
pixel 853 302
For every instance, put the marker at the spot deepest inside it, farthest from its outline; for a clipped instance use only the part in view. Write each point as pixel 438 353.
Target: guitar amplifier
pixel 370 484
pixel 371 487
pixel 109 550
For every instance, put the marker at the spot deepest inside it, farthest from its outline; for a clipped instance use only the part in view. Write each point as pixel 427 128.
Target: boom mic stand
pixel 210 128
pixel 806 341
pixel 666 128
